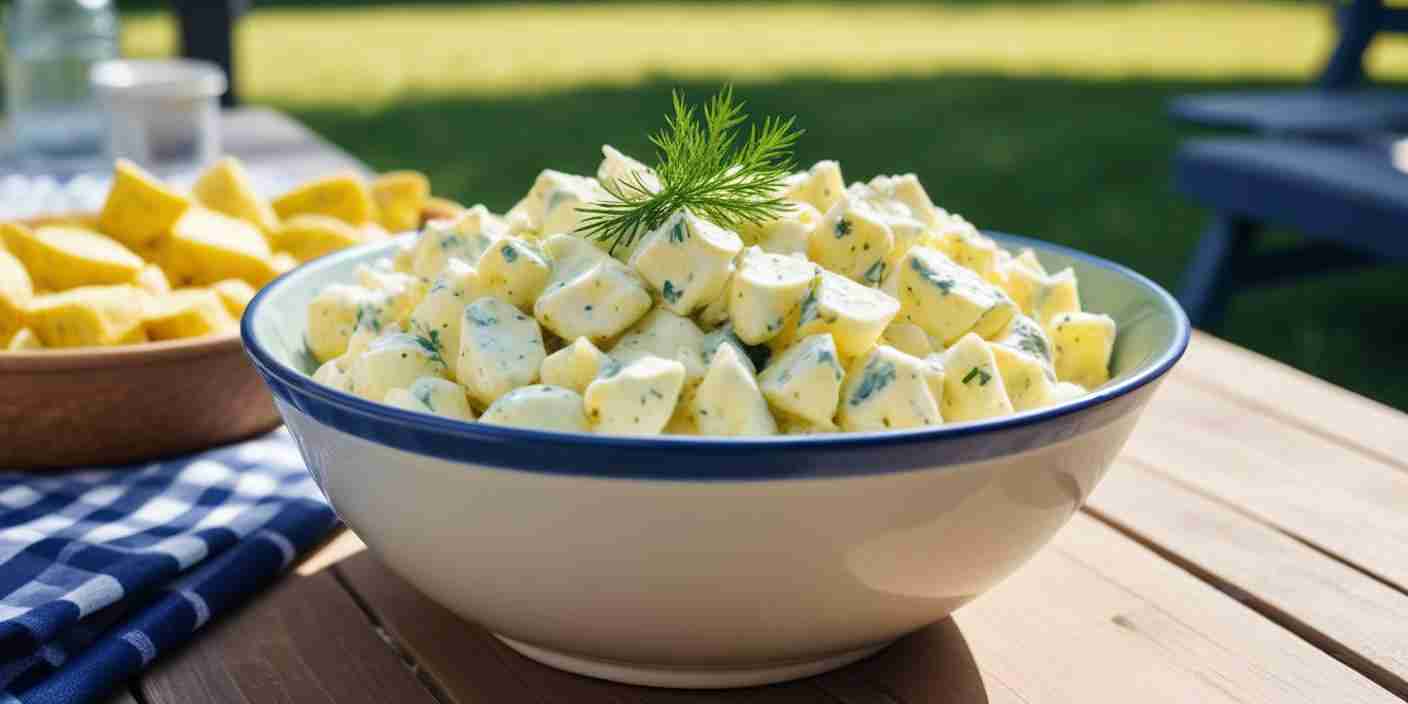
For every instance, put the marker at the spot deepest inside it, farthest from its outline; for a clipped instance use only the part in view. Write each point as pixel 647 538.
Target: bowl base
pixel 687 678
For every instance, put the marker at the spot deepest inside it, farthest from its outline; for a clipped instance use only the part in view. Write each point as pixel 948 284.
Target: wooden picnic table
pixel 1250 545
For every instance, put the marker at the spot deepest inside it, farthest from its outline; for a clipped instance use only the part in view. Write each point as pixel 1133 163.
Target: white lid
pixel 158 79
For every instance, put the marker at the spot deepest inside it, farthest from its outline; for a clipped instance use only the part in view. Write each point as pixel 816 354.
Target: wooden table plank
pixel 1346 503
pixel 304 642
pixel 1096 617
pixel 122 696
pixel 1295 397
pixel 277 147
pixel 1339 609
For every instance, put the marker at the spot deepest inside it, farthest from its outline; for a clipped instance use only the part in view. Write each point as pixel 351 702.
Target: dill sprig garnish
pixel 700 170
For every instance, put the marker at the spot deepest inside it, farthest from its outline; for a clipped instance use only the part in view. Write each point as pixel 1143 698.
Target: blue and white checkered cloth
pixel 102 571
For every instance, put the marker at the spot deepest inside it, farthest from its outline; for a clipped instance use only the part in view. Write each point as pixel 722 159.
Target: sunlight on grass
pixel 373 55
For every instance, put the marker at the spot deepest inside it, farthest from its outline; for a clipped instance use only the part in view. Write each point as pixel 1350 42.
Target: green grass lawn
pixel 1044 120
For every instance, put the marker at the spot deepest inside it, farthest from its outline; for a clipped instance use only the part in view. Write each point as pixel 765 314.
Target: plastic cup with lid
pixel 161 112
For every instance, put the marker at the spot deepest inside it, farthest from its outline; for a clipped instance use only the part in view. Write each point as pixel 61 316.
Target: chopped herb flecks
pixel 843 227
pixel 876 376
pixel 875 273
pixel 368 313
pixel 977 373
pixel 479 317
pixel 919 267
pixel 510 255
pixel 670 293
pixel 429 340
pixel 679 232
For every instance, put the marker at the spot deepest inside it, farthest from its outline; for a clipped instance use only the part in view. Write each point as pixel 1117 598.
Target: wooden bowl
pixel 119 405
pixel 116 405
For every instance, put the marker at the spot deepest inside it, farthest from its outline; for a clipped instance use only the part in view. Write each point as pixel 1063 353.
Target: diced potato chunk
pixel 1028 260
pixel 465 238
pixel 153 280
pixel 442 209
pixel 332 373
pixel 431 394
pixel 226 188
pixel 907 190
pixel 820 187
pixel 402 291
pixel 234 294
pixel 728 401
pixel 336 312
pixel 687 260
pixel 973 388
pixel 88 316
pixel 551 205
pixel 594 298
pixel 1084 343
pixel 24 341
pixel 908 338
pixel 514 271
pixel 1020 282
pixel 1025 377
pixel 855 315
pixel 190 312
pixel 205 247
pixel 308 237
pixel 400 197
pixel 1023 334
pixel 852 240
pixel 394 361
pixel 282 263
pixel 764 290
pixel 343 196
pixel 627 174
pixel 1057 294
pixel 500 349
pixel 934 376
pixel 139 209
pixel 887 390
pixel 574 366
pixel 756 356
pixel 540 407
pixel 805 380
pixel 663 334
pixel 970 249
pixel 945 299
pixel 16 291
pixel 439 315
pixel 788 234
pixel 59 258
pixel 635 399
pixel 1063 391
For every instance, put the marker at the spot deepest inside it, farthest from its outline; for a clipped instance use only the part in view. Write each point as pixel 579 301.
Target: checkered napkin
pixel 103 571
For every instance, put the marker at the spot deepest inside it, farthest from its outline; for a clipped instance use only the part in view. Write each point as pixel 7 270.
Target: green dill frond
pixel 701 169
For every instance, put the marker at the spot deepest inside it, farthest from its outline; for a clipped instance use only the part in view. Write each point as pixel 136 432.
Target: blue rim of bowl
pixel 693 458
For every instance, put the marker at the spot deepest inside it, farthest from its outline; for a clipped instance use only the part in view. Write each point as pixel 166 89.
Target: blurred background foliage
pixel 1040 117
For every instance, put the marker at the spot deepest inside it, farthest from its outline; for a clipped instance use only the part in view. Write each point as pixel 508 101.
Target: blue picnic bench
pixel 1321 162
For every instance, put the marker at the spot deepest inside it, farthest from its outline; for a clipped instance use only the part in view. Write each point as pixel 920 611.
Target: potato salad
pixel 860 308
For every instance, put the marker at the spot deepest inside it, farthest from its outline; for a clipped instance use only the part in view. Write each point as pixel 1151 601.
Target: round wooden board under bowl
pixel 75 408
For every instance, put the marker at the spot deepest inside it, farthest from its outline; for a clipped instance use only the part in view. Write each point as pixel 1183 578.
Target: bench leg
pixel 1211 278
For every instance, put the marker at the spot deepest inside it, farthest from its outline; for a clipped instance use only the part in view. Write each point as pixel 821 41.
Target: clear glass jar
pixel 51 45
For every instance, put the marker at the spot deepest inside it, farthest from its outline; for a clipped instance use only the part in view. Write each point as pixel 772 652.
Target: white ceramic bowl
pixel 709 562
